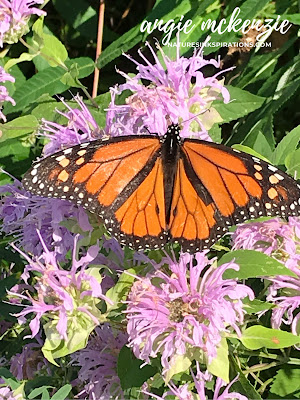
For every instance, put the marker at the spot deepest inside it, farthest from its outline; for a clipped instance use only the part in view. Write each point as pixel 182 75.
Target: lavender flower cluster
pixel 180 306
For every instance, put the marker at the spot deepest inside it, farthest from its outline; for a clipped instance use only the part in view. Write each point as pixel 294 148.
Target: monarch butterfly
pixel 152 191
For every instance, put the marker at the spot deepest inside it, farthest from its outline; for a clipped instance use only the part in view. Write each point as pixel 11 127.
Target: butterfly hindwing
pixel 141 218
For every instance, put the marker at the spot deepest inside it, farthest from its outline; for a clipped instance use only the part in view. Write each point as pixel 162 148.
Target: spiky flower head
pixel 4 96
pixel 98 364
pixel 66 298
pixel 14 16
pixel 280 240
pixel 23 213
pixel 80 127
pixel 191 307
pixel 177 92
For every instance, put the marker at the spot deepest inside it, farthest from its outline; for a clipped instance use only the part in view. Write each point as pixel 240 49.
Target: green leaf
pixel 6 284
pixel 70 77
pixel 165 10
pixel 292 163
pixel 199 13
pixel 53 51
pixel 220 364
pixel 120 290
pixel 292 18
pixel 18 127
pixel 253 264
pixel 5 373
pixel 248 10
pixel 261 144
pixel 38 391
pixel 23 57
pixel 62 393
pixel 215 133
pixel 249 150
pixel 47 81
pixel 242 386
pixel 129 370
pixel 258 336
pixel 241 104
pixel 179 363
pixel 78 334
pixel 287 381
pixel 80 15
pixel 38 32
pixel 288 144
pixel 247 130
pixel 255 306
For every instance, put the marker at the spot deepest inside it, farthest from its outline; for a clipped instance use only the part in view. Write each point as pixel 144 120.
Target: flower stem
pixel 99 46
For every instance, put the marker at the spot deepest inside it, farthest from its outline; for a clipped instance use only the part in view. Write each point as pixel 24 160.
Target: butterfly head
pixel 174 132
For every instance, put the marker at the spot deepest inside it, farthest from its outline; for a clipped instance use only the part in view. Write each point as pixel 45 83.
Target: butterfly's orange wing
pixel 120 179
pixel 216 187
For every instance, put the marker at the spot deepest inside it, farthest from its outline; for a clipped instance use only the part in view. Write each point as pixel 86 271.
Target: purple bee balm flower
pixel 170 97
pixel 26 364
pixel 6 393
pixel 184 392
pixel 81 127
pixel 62 296
pixel 23 213
pixel 14 18
pixel 193 307
pixel 98 364
pixel 280 240
pixel 4 96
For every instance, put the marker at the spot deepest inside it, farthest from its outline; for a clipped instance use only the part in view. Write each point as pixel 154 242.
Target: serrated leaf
pixel 258 336
pixel 220 364
pixel 247 130
pixel 287 381
pixel 288 144
pixel 241 104
pixel 253 264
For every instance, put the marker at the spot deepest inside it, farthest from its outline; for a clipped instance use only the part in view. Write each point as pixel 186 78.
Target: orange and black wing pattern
pixel 217 187
pixel 120 179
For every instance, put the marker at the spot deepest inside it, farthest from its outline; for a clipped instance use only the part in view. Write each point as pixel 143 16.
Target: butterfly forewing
pixel 112 178
pixel 235 185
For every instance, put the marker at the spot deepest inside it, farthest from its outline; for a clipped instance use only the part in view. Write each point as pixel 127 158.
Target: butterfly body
pixel 151 191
